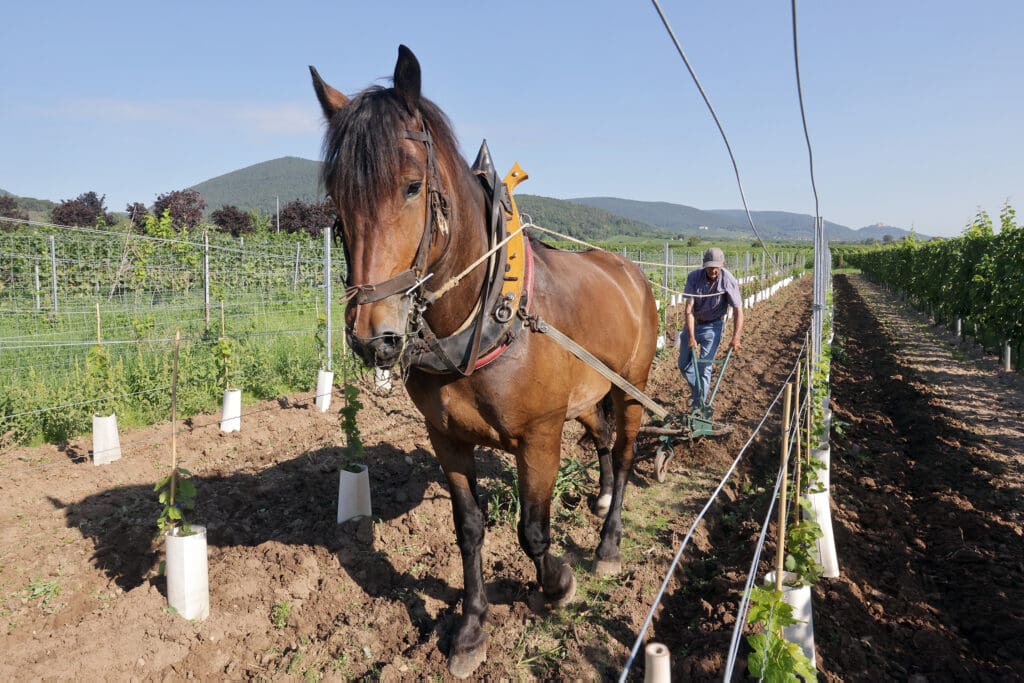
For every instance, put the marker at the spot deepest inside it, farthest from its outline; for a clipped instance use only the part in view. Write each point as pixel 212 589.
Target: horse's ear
pixel 407 78
pixel 330 99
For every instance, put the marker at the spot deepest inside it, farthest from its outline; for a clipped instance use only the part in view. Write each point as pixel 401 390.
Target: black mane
pixel 362 152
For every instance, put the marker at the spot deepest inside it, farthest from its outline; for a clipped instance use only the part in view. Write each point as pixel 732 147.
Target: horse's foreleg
pixel 537 465
pixel 469 645
pixel 629 415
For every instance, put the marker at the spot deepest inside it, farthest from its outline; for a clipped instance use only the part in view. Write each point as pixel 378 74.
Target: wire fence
pixel 88 317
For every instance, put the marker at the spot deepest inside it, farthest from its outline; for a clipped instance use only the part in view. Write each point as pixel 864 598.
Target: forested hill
pixel 583 222
pixel 37 209
pixel 255 187
pixel 677 218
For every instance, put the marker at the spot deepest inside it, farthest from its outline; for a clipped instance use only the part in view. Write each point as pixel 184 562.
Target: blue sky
pixel 914 107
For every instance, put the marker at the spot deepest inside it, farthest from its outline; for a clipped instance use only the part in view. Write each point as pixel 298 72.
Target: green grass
pixel 44 591
pixel 273 353
pixel 280 613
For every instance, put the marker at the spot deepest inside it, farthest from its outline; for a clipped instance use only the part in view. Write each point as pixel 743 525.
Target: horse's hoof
pixel 568 597
pixel 464 664
pixel 603 505
pixel 608 567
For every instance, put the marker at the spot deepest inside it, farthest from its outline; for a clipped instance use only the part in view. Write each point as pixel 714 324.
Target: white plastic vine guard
pixel 382 380
pixel 657 664
pixel 800 600
pixel 231 412
pixel 188 582
pixel 354 494
pixel 106 443
pixel 324 389
pixel 821 512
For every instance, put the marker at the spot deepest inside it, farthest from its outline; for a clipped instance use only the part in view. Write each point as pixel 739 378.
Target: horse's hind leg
pixel 598 425
pixel 628 416
pixel 469 644
pixel 537 465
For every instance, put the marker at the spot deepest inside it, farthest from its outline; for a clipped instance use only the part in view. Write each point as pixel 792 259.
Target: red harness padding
pixel 494 353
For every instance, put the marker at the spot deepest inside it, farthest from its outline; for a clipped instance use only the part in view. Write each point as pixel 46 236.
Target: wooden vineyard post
pixel 810 403
pixel 780 557
pixel 796 436
pixel 222 339
pixel 174 418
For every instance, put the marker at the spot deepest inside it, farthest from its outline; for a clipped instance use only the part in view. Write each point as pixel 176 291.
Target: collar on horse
pixel 504 297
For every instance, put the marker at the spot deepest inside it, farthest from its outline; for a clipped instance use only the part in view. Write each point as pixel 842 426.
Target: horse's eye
pixel 413 189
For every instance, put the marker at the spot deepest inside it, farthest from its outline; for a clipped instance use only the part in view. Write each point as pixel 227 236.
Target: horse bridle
pixel 409 279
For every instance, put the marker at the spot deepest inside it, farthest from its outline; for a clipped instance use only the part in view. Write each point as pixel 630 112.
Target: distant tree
pixel 186 207
pixel 9 209
pixel 297 216
pixel 232 219
pixel 137 213
pixel 692 241
pixel 886 239
pixel 262 223
pixel 86 209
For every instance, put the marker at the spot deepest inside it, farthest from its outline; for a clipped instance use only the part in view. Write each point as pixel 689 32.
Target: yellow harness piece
pixel 515 262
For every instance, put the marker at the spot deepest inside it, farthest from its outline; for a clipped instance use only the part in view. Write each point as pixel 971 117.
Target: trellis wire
pixel 714 115
pixel 744 606
pixel 693 527
pixel 39 411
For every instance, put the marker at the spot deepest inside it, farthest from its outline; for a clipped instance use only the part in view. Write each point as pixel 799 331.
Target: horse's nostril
pixel 390 340
pixel 386 348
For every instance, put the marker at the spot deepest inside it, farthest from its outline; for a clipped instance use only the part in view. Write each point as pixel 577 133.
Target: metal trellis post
pixel 206 277
pixel 53 272
pixel 327 294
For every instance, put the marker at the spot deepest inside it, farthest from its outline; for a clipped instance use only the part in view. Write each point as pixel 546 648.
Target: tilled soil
pixel 82 597
pixel 927 503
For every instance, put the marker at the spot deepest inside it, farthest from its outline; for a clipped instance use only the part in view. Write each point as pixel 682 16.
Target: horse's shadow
pixel 292 502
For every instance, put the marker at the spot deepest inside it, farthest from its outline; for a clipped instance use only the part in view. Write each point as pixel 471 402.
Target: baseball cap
pixel 714 258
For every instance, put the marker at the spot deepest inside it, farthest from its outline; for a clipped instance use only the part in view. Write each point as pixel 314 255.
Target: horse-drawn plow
pixel 696 424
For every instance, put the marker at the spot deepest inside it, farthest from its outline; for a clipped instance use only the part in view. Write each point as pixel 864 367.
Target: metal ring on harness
pixel 503 313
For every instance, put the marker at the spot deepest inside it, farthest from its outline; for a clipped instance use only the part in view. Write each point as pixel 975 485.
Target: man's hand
pixel 735 344
pixel 693 343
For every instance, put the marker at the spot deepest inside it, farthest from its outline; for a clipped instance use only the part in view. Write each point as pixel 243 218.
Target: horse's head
pixel 384 153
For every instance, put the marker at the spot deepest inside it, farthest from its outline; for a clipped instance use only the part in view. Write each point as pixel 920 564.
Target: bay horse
pixel 413 218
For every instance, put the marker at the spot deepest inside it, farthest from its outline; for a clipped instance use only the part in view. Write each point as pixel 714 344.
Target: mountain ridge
pixel 774 225
pixel 271 184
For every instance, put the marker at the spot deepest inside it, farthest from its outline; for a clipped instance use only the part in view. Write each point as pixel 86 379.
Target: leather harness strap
pixel 407 279
pixel 506 285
